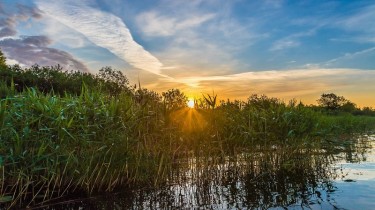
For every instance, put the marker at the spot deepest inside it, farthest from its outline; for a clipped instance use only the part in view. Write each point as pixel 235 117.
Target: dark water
pixel 338 175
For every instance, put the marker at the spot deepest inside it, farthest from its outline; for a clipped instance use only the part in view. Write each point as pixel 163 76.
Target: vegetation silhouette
pixel 65 132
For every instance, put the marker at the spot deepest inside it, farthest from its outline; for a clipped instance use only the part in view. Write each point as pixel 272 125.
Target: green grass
pixel 52 145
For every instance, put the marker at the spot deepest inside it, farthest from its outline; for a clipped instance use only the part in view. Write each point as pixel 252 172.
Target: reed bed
pixel 54 144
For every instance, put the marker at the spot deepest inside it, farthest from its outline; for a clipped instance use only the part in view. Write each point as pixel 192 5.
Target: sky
pixel 281 48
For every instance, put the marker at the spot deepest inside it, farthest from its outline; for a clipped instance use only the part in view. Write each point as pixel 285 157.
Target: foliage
pixel 263 102
pixel 210 100
pixel 349 107
pixel 365 111
pixel 113 81
pixel 92 142
pixel 331 101
pixel 174 99
pixel 145 96
pixel 63 132
pixel 85 142
pixel 2 60
pixel 55 78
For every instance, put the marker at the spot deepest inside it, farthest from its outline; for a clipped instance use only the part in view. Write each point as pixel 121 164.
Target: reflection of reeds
pixel 254 177
pixel 53 145
pixel 261 179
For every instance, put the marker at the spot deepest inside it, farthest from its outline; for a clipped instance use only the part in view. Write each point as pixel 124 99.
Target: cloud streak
pixel 104 30
pixel 155 24
pixel 271 75
pixel 197 35
pixel 292 40
pixel 363 21
pixel 349 56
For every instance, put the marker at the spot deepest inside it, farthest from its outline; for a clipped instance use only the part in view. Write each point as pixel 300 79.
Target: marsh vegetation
pixel 71 133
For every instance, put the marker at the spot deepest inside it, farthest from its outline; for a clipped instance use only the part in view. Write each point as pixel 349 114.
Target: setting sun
pixel 190 103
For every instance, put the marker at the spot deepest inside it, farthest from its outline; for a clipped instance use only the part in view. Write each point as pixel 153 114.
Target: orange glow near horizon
pixel 306 85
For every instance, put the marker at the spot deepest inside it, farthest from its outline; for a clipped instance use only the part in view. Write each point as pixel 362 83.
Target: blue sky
pixel 286 49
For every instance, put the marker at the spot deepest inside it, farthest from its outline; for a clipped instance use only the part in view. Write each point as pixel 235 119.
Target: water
pixel 338 175
pixel 356 188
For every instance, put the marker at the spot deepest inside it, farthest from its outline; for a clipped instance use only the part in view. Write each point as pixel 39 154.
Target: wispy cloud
pixel 197 35
pixel 34 50
pixel 155 24
pixel 292 40
pixel 284 44
pixel 103 29
pixel 25 12
pixel 9 22
pixel 270 75
pixel 63 34
pixel 30 50
pixel 348 56
pixel 362 22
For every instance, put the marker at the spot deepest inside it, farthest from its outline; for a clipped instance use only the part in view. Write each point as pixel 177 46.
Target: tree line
pixel 112 82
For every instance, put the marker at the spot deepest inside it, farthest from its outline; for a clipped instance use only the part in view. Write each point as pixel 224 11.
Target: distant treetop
pixel 2 60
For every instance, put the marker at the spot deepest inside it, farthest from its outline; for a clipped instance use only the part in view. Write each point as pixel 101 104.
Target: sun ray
pixel 188 119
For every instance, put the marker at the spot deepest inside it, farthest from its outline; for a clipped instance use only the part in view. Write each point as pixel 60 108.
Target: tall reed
pixel 54 145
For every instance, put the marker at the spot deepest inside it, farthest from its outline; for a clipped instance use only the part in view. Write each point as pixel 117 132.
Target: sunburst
pixel 191 103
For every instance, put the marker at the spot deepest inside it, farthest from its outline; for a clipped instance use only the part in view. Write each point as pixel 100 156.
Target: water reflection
pixel 277 177
pixel 356 188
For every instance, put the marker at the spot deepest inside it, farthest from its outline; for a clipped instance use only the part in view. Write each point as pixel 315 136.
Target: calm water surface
pixel 338 175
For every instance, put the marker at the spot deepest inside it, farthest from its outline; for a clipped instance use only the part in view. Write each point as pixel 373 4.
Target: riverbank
pixel 55 145
pixel 68 132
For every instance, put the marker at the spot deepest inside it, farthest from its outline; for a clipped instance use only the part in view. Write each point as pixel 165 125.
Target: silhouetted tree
pixel 114 81
pixel 48 78
pixel 331 101
pixel 263 101
pixel 369 111
pixel 174 99
pixel 144 96
pixel 349 107
pixel 2 60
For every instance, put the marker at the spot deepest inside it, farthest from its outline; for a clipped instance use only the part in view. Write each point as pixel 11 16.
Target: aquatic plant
pixel 100 138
